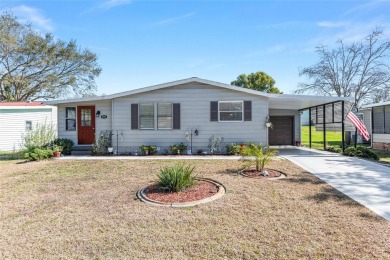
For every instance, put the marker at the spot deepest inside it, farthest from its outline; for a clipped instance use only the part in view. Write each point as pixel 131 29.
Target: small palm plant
pixel 176 178
pixel 257 155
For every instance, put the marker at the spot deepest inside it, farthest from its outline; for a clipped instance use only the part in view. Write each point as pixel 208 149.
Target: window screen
pixel 230 110
pixel 70 121
pixel 146 116
pixel 378 120
pixel 164 115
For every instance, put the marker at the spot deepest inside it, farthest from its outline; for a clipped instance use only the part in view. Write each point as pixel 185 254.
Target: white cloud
pixel 114 3
pixel 174 19
pixel 332 24
pixel 34 16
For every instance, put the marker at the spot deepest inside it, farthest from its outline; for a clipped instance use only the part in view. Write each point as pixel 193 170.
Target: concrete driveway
pixel 364 181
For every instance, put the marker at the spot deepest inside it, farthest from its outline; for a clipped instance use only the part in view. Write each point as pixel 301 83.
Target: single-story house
pixel 377 121
pixel 18 118
pixel 168 113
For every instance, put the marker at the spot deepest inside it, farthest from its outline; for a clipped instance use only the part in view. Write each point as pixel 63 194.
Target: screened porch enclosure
pixel 325 125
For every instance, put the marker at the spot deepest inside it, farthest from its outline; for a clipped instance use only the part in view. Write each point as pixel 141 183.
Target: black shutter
pixel 176 115
pixel 247 110
pixel 134 116
pixel 213 110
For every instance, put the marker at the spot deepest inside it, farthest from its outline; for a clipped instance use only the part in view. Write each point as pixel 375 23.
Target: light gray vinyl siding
pixel 194 99
pixel 381 138
pixel 13 124
pixel 367 119
pixel 297 119
pixel 100 124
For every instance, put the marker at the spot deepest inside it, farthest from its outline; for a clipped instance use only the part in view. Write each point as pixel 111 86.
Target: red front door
pixel 86 124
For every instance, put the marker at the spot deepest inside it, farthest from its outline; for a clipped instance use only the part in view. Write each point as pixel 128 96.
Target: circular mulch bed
pixel 272 174
pixel 205 190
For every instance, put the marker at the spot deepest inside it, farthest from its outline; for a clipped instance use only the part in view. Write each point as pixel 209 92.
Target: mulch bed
pixel 258 174
pixel 201 190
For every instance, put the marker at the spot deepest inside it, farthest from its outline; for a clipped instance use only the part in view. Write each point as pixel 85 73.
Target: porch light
pixel 98 114
pixel 268 123
pixel 196 132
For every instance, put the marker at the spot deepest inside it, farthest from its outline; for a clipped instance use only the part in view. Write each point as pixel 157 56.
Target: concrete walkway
pixel 151 157
pixel 364 181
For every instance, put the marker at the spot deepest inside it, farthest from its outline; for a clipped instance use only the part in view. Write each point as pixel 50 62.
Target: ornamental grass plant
pixel 177 178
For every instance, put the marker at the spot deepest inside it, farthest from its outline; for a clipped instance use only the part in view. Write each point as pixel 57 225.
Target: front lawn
pixel 317 137
pixel 88 209
pixel 384 156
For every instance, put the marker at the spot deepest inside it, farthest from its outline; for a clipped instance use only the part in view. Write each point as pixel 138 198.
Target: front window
pixel 164 115
pixel 146 116
pixel 230 111
pixel 70 121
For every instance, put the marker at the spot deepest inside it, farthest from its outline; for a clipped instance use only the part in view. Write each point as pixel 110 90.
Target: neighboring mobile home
pixel 377 117
pixel 18 118
pixel 168 113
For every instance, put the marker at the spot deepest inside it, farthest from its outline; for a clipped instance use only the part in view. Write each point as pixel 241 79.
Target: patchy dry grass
pixel 88 209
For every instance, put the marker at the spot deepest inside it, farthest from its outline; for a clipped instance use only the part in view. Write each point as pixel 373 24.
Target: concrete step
pixel 82 148
pixel 80 153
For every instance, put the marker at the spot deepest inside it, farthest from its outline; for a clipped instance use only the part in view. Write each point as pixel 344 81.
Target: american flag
pixel 359 125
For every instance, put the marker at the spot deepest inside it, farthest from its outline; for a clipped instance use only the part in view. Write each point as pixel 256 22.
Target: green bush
pixel 41 136
pixel 361 151
pixel 178 148
pixel 38 154
pixel 176 178
pixel 233 149
pixel 334 149
pixel 257 155
pixel 66 144
pixel 148 149
pixel 100 146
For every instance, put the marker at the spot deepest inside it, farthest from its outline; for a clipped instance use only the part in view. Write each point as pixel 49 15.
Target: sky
pixel 143 43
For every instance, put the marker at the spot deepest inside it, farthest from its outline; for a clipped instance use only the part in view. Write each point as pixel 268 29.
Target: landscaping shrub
pixel 178 149
pixel 41 136
pixel 233 149
pixel 334 149
pixel 66 145
pixel 361 151
pixel 148 149
pixel 257 155
pixel 38 154
pixel 215 144
pixel 176 178
pixel 100 146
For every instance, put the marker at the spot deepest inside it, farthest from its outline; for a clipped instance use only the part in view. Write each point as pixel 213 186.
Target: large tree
pixel 35 66
pixel 360 70
pixel 257 81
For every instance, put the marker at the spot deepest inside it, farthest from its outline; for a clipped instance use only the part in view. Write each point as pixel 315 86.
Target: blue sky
pixel 142 43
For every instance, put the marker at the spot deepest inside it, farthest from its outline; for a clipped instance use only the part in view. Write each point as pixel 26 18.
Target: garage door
pixel 282 132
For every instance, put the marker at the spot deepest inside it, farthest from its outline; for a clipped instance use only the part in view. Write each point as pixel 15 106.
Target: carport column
pixel 324 125
pixel 342 127
pixel 310 127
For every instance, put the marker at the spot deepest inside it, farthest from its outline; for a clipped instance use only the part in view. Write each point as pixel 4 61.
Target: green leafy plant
pixel 57 148
pixel 100 146
pixel 334 149
pixel 215 144
pixel 233 149
pixel 66 144
pixel 361 151
pixel 41 136
pixel 176 178
pixel 38 154
pixel 257 155
pixel 178 148
pixel 148 149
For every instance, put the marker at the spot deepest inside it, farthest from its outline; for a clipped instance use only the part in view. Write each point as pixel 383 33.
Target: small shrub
pixel 215 144
pixel 41 136
pixel 67 145
pixel 100 146
pixel 178 149
pixel 38 154
pixel 148 149
pixel 257 155
pixel 361 151
pixel 176 178
pixel 57 148
pixel 233 149
pixel 334 149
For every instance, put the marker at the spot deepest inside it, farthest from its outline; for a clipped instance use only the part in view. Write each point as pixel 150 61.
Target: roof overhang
pixel 300 102
pixel 377 104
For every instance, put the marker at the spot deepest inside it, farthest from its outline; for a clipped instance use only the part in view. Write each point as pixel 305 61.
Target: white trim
pixel 232 121
pixel 377 104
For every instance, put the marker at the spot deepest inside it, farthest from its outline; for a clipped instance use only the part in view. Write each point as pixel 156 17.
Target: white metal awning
pixel 299 102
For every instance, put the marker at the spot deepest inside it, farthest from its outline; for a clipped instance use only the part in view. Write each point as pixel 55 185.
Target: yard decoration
pixel 57 150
